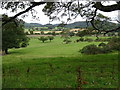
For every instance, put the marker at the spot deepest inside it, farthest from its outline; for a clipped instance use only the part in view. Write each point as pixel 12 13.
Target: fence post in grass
pixel 102 68
pixel 28 70
pixel 113 69
pixel 51 67
pixel 3 74
pixel 113 72
pixel 79 79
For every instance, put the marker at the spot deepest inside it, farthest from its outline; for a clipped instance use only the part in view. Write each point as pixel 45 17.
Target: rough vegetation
pixel 113 44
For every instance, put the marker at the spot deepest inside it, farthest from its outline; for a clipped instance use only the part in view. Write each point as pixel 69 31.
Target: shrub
pixel 105 49
pixel 93 49
pixel 90 49
pixel 114 43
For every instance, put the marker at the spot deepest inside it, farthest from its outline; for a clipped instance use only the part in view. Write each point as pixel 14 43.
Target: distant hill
pixel 80 24
pixel 27 25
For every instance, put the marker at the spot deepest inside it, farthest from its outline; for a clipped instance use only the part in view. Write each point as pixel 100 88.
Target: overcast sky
pixel 45 20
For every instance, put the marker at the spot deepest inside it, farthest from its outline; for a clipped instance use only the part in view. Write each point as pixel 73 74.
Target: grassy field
pixel 58 65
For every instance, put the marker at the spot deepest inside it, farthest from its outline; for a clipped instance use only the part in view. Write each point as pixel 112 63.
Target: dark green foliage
pixel 25 42
pixel 114 43
pixel 13 35
pixel 43 39
pixel 50 38
pixel 93 49
pixel 105 49
pixel 90 49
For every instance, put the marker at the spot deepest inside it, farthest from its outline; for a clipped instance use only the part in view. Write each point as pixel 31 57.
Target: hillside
pixel 27 25
pixel 81 24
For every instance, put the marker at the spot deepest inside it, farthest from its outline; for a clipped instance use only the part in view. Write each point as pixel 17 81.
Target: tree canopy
pixel 13 35
pixel 88 10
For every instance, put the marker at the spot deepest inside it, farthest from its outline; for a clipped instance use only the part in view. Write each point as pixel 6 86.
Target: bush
pixel 93 49
pixel 114 43
pixel 90 49
pixel 105 49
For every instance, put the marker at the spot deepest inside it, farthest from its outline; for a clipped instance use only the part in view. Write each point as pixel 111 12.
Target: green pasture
pixel 55 65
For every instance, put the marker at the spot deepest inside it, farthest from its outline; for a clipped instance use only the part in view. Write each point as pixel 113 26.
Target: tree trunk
pixel 6 51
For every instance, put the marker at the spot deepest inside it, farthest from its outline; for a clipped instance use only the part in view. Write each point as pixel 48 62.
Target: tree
pixel 71 9
pixel 50 38
pixel 13 36
pixel 88 11
pixel 43 39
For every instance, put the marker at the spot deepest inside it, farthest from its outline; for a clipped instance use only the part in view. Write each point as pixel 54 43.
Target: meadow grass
pixel 54 65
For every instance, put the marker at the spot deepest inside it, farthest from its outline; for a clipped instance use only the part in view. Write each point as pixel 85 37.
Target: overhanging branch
pixel 22 12
pixel 108 8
